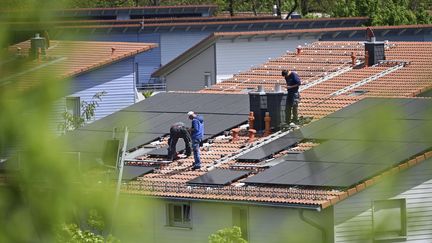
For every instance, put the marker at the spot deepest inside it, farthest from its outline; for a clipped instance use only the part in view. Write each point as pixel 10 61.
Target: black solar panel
pixel 219 177
pixel 131 172
pixel 270 148
pixel 315 174
pixel 359 142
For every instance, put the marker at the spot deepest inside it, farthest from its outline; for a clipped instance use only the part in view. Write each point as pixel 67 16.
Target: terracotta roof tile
pixel 70 58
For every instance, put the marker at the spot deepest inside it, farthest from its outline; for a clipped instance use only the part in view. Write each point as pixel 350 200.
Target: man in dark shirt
pixel 178 130
pixel 293 98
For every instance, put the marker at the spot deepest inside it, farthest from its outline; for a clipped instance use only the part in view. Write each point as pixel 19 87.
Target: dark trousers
pixel 292 108
pixel 175 134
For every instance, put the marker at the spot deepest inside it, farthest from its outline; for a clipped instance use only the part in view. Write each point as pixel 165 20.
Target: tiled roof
pixel 70 58
pixel 327 62
pixel 202 45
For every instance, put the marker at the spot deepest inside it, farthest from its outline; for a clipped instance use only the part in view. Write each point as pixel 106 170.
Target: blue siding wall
pixel 148 62
pixel 117 79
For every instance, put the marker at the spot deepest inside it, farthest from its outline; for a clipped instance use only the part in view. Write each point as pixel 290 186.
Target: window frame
pixel 208 79
pixel 390 235
pixel 186 212
pixel 77 103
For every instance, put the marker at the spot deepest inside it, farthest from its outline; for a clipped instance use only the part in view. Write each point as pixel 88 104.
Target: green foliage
pixel 384 12
pixel 48 190
pixel 71 122
pixel 147 94
pixel 227 235
pixel 71 233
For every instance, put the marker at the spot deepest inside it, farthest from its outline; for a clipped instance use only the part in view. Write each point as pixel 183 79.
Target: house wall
pixel 190 75
pixel 233 57
pixel 175 43
pixel 265 224
pixel 353 216
pixel 117 79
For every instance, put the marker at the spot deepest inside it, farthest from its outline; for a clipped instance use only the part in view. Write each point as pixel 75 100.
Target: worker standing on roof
pixel 178 130
pixel 197 134
pixel 293 98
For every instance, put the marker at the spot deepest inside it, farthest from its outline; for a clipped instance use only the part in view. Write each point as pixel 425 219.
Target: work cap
pixel 190 113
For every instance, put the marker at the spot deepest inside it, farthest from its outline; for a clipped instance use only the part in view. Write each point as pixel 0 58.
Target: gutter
pixel 315 225
pixel 278 205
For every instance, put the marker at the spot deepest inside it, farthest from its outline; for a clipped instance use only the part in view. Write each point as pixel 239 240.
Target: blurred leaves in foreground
pixel 44 192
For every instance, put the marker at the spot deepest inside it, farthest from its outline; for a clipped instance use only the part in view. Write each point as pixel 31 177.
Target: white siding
pixel 265 224
pixel 353 217
pixel 190 75
pixel 232 57
pixel 174 44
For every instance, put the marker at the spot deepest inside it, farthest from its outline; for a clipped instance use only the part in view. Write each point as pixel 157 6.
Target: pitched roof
pixel 327 68
pixel 205 43
pixel 71 58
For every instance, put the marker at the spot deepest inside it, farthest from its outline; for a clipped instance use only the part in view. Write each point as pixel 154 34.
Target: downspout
pixel 314 224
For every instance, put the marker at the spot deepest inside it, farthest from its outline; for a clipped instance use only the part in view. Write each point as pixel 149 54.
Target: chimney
pixel 374 49
pixel 272 103
pixel 37 47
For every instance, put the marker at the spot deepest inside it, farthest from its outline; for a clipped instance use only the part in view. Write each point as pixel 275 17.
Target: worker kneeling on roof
pixel 197 133
pixel 178 130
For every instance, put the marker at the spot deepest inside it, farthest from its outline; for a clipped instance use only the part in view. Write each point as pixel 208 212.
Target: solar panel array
pixel 219 177
pixel 152 118
pixel 360 141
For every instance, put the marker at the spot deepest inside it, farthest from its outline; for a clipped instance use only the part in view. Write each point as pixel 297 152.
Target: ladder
pixel 368 79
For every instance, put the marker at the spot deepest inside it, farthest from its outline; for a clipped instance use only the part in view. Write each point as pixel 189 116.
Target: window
pixel 179 215
pixel 389 219
pixel 240 219
pixel 73 106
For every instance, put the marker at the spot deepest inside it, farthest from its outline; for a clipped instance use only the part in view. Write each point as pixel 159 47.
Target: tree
pixel 227 235
pixel 384 12
pixel 71 122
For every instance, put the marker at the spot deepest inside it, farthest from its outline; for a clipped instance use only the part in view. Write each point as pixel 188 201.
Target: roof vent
pixel 37 46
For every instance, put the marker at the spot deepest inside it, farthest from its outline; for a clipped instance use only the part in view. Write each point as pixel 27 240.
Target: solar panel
pixel 315 174
pixel 131 172
pixel 356 146
pixel 219 177
pixel 270 148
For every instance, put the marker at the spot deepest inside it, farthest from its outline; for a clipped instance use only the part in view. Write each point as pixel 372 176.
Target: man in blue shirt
pixel 293 98
pixel 197 134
